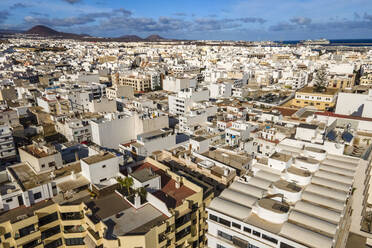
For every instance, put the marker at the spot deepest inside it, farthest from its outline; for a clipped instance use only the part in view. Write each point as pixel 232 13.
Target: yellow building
pixel 341 81
pixel 309 97
pixel 173 216
pixel 366 79
pixel 138 83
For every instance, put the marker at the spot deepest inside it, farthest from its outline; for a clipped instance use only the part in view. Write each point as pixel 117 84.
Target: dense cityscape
pixel 153 142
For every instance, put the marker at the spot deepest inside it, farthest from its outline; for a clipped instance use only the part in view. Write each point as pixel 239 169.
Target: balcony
pixel 94 234
pixel 48 219
pixel 25 241
pixel 25 231
pixel 72 216
pixel 50 232
pixel 73 229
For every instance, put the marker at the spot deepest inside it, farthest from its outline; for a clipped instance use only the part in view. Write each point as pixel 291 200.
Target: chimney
pixel 178 183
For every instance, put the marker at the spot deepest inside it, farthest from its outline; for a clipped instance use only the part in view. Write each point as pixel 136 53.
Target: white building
pixel 100 168
pixel 183 101
pixel 292 208
pixel 7 149
pixel 115 129
pixel 176 84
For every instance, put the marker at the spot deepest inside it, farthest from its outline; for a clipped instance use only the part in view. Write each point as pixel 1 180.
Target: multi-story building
pixel 184 100
pixel 309 97
pixel 341 81
pixel 176 84
pixel 7 93
pixel 366 79
pixel 119 91
pixel 172 214
pixel 53 104
pixel 137 82
pixel 75 130
pixel 40 157
pixel 301 201
pixel 7 149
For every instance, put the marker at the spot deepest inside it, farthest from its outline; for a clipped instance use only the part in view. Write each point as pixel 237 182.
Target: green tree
pixel 320 80
pixel 142 193
pixel 126 182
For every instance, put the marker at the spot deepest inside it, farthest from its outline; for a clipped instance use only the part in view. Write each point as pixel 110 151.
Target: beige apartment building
pixel 341 81
pixel 173 216
pixel 309 97
pixel 137 82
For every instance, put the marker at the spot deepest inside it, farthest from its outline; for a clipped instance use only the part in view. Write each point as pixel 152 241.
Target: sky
pixel 196 19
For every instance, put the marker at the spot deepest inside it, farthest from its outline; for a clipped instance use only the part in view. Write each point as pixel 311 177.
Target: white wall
pixel 102 170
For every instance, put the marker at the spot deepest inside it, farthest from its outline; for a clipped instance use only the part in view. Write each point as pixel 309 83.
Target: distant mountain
pixel 44 31
pixel 41 30
pixel 154 37
pixel 130 38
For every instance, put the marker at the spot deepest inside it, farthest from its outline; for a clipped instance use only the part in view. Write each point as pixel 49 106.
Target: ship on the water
pixel 316 42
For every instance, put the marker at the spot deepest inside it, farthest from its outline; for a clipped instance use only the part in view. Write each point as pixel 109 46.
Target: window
pixel 213 217
pixel 103 179
pixel 255 233
pixel 7 235
pixel 236 225
pixel 53 244
pixel 224 235
pixel 74 241
pixel 220 246
pixel 37 195
pixel 43 166
pixel 51 164
pixel 275 241
pixel 246 229
pixel 104 166
pixel 48 219
pixel 224 222
pixel 9 200
pixel 284 245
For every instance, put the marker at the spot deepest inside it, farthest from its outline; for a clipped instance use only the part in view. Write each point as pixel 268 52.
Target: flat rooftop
pixel 233 160
pixel 38 152
pixel 281 157
pixel 14 214
pixel 28 179
pixel 98 158
pixel 133 221
pixel 144 175
pixel 310 90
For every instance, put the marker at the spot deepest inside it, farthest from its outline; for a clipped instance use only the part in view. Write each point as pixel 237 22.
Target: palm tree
pixel 120 181
pixel 142 193
pixel 367 141
pixel 128 183
pixel 320 80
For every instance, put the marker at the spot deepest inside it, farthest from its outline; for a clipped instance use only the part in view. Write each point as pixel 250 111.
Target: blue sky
pixel 196 19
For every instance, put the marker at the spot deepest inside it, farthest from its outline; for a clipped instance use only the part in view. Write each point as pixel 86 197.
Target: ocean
pixel 340 42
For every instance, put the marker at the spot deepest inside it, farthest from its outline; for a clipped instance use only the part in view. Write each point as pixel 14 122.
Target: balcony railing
pixel 74 229
pixel 72 216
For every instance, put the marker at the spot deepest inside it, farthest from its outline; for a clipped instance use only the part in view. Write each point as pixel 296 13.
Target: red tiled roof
pixel 331 114
pixel 286 111
pixel 169 194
